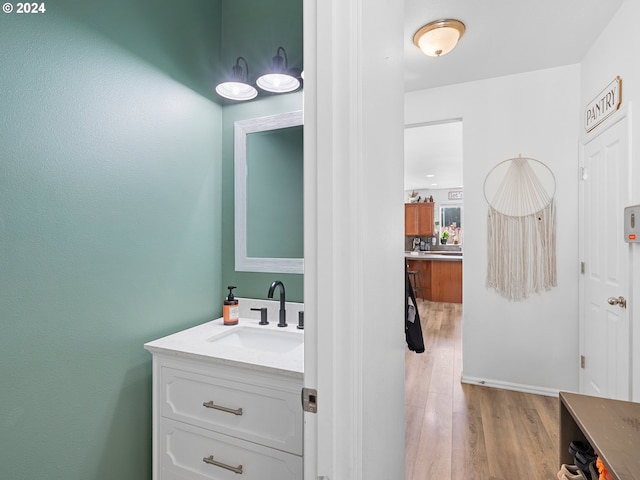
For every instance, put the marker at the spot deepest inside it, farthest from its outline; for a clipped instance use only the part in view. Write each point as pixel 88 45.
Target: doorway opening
pixel 434 253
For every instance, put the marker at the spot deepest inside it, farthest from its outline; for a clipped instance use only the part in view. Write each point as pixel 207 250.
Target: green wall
pixel 254 29
pixel 110 224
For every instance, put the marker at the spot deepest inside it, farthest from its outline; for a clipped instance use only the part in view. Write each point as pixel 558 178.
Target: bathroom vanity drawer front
pixel 193 453
pixel 268 416
pixel 171 475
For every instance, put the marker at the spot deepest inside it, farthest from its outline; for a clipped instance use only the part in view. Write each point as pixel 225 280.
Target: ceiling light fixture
pixel 237 87
pixel 279 79
pixel 439 37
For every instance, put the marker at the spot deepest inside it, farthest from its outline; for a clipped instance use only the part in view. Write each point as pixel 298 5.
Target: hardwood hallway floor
pixel 468 432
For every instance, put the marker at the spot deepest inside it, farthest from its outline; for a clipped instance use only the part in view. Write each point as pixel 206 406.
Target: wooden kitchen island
pixel 440 275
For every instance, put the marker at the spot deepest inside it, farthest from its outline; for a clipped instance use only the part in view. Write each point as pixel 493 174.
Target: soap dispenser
pixel 230 310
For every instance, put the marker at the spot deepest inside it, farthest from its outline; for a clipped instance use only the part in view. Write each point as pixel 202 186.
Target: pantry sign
pixel 604 105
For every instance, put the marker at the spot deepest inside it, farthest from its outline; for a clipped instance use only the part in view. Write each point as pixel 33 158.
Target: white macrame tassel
pixel 521 246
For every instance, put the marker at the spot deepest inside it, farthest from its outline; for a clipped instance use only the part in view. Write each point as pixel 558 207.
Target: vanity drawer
pixel 184 449
pixel 268 416
pixel 171 475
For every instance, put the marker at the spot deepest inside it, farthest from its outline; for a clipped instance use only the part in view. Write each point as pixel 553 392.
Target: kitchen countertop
pixel 195 343
pixel 434 255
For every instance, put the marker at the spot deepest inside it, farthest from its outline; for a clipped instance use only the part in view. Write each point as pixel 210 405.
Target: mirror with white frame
pixel 268 192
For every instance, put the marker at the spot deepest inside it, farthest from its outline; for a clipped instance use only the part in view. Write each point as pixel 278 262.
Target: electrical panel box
pixel 632 224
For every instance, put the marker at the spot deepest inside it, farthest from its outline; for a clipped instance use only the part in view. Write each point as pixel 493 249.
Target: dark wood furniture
pixel 418 219
pixel 446 282
pixel 440 280
pixel 612 427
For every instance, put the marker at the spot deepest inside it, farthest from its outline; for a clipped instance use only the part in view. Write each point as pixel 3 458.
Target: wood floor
pixel 463 432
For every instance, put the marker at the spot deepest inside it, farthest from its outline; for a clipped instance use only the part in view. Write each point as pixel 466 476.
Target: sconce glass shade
pixel 237 87
pixel 236 91
pixel 278 83
pixel 439 37
pixel 279 79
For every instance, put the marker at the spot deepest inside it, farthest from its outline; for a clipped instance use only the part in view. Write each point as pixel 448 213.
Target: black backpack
pixel 412 327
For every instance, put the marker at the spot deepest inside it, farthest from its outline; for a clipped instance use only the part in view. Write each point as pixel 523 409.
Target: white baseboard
pixel 517 387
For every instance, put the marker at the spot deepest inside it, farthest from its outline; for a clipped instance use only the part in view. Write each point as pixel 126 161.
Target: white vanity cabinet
pixel 222 422
pixel 220 419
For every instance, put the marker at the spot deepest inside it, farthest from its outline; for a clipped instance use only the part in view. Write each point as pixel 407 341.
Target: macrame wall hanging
pixel 521 227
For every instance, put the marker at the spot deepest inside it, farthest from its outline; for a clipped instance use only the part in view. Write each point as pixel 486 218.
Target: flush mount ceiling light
pixel 279 79
pixel 439 37
pixel 237 87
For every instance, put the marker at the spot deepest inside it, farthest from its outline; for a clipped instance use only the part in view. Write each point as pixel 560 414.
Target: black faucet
pixel 282 319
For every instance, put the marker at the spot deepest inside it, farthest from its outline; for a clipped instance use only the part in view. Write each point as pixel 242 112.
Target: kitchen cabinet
pixel 441 280
pixel 418 219
pixel 446 282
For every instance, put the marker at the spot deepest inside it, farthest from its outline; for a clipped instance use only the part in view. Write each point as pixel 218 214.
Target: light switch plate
pixel 632 224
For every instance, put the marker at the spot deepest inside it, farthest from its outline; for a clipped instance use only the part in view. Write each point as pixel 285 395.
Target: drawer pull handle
pixel 224 409
pixel 211 461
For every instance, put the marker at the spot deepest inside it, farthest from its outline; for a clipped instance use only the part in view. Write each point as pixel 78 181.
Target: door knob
pixel 620 301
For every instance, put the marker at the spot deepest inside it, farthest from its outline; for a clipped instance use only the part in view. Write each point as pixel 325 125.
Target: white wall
pixel 615 53
pixel 354 342
pixel 533 344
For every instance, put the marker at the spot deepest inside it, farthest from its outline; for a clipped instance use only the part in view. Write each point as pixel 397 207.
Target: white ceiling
pixel 433 156
pixel 502 37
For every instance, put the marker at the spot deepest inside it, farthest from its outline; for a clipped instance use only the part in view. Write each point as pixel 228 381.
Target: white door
pixel 604 319
pixel 354 261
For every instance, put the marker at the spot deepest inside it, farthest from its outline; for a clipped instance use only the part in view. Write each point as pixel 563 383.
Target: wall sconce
pixel 439 37
pixel 279 79
pixel 237 87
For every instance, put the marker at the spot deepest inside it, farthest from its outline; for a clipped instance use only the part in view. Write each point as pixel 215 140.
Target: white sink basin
pixel 257 339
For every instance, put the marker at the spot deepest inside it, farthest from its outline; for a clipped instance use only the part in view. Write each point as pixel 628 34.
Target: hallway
pixel 463 432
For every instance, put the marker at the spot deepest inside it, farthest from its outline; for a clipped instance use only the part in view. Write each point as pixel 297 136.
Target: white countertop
pixel 194 343
pixel 433 255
